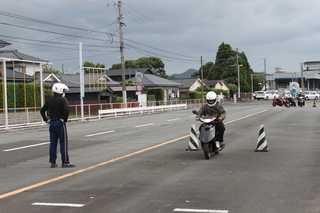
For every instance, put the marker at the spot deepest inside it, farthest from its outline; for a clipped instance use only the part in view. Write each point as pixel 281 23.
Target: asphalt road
pixel 140 164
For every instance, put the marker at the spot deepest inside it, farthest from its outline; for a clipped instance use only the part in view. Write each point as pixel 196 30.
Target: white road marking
pixel 174 119
pixel 24 147
pixel 100 133
pixel 58 204
pixel 200 210
pixel 144 125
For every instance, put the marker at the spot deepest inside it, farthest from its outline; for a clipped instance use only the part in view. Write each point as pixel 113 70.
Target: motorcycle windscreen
pixel 207 133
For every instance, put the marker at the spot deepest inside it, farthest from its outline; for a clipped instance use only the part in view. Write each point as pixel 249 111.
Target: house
pixel 116 74
pixel 96 86
pixel 21 63
pixel 171 88
pixel 20 67
pixel 188 85
pixel 130 90
pixel 217 84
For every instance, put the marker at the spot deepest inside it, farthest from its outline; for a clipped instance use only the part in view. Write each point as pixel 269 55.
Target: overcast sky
pixel 284 32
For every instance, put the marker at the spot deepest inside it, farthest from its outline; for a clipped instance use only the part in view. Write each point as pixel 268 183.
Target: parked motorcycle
pixel 207 135
pixel 301 101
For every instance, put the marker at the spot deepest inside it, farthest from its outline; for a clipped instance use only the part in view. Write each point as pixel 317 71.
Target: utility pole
pixel 121 23
pixel 202 81
pixel 238 74
pixel 302 80
pixel 265 73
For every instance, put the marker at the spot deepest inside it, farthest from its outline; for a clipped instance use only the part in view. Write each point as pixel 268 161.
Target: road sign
pixel 139 76
pixel 139 87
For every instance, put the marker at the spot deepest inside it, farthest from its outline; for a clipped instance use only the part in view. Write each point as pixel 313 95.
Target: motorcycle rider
pixel 214 108
pixel 300 94
pixel 300 98
pixel 289 98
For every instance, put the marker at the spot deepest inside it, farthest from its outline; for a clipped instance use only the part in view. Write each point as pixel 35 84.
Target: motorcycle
pixel 279 101
pixel 290 102
pixel 207 136
pixel 301 101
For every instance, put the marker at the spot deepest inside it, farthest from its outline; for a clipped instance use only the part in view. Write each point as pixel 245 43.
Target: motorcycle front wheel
pixel 206 150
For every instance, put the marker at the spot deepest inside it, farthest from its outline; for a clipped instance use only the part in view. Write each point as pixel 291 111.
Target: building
pixel 188 85
pixel 308 78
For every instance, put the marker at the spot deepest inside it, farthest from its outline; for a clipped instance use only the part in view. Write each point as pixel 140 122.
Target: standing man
pixel 57 108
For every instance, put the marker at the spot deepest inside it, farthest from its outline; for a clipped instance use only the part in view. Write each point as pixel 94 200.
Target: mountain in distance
pixel 186 74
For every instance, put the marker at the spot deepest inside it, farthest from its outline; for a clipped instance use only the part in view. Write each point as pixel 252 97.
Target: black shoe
pixel 64 165
pixel 53 165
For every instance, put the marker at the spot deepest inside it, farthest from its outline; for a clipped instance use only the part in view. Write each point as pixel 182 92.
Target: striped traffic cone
pixel 262 141
pixel 193 141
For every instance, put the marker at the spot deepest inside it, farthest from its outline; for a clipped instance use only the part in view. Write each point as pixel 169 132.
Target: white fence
pixel 139 110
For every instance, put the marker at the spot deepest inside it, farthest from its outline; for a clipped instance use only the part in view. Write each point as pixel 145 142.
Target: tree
pixel 206 71
pixel 89 64
pixel 45 68
pixel 226 68
pixel 153 63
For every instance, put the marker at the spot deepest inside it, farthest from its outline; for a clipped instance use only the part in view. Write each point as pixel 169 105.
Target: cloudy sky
pixel 284 32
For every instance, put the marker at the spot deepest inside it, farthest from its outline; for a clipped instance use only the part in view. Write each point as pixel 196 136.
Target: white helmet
pixel 59 88
pixel 211 98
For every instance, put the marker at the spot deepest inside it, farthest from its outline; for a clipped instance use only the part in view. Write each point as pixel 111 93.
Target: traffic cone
pixel 193 141
pixel 262 141
pixel 314 103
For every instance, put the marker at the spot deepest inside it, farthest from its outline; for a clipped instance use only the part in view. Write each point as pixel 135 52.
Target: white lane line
pixel 24 147
pixel 100 133
pixel 174 119
pixel 58 204
pixel 200 210
pixel 144 125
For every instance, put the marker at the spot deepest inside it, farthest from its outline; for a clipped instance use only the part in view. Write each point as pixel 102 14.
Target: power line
pixel 159 30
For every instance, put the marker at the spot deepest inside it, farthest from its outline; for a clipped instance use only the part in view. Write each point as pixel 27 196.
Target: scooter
pixel 207 135
pixel 290 102
pixel 279 101
pixel 301 101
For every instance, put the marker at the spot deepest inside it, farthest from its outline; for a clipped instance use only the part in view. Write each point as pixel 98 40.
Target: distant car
pixel 310 95
pixel 265 95
pixel 255 93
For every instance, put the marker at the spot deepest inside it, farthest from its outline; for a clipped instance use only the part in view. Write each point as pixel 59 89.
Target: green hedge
pixel 157 92
pixel 198 95
pixel 23 95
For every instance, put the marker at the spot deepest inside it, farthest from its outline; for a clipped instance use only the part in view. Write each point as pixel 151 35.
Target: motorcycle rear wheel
pixel 206 150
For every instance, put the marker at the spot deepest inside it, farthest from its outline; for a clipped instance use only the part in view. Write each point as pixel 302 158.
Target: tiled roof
pixel 186 82
pixel 16 55
pixel 129 71
pixel 156 81
pixel 4 43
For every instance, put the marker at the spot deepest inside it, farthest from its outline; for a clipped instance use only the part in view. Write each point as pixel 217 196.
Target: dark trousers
pixel 58 132
pixel 220 128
